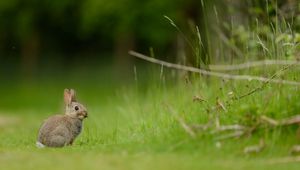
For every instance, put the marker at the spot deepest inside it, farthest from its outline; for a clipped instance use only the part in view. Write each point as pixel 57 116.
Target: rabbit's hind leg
pixel 57 141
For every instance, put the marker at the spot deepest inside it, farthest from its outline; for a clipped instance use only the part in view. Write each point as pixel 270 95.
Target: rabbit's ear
pixel 73 95
pixel 67 97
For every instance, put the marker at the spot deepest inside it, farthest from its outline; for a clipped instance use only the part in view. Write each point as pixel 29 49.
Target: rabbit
pixel 61 130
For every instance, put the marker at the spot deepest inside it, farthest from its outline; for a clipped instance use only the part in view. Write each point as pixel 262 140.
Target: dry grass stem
pixel 202 127
pixel 255 148
pixel 235 134
pixel 198 99
pixel 269 120
pixel 252 64
pixel 211 73
pixel 229 127
pixel 291 120
pixel 186 127
pixel 265 83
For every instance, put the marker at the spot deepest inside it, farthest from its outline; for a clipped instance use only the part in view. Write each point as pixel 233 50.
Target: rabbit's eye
pixel 76 108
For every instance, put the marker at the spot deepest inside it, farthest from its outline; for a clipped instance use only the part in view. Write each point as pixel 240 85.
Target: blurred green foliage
pixel 64 25
pixel 268 30
pixel 34 32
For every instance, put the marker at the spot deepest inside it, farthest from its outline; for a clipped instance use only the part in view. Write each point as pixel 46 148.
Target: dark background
pixel 53 36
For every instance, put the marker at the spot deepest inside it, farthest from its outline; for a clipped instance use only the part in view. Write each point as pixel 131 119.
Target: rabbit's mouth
pixel 82 115
pixel 85 115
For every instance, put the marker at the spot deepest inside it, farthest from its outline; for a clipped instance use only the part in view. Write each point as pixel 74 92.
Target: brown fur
pixel 61 130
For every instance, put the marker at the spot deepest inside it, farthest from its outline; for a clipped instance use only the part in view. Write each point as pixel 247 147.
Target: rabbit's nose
pixel 85 114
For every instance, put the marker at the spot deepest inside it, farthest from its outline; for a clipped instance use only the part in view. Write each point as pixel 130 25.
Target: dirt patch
pixel 7 120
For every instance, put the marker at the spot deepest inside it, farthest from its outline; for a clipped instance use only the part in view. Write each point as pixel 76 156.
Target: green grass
pixel 130 127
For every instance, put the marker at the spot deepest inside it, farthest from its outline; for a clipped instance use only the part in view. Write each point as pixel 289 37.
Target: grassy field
pixel 131 127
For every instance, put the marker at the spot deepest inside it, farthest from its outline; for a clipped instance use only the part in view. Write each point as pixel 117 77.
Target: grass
pixel 129 126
